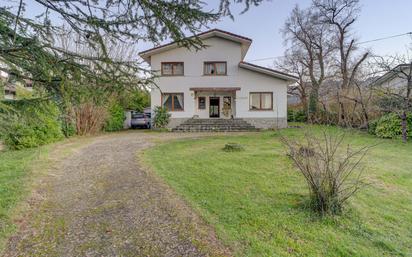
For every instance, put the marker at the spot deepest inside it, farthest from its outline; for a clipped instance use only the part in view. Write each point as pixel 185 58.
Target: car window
pixel 138 115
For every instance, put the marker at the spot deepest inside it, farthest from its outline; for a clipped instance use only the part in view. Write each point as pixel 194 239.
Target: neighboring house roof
pixel 10 88
pixel 267 71
pixel 392 73
pixel 244 41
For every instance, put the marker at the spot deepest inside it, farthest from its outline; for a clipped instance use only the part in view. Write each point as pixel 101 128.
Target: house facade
pixel 10 89
pixel 215 82
pixel 396 79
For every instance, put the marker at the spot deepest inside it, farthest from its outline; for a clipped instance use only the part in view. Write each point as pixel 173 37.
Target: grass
pixel 14 168
pixel 256 200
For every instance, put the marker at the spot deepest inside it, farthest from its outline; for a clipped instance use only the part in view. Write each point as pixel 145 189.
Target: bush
pixel 389 126
pixel 68 128
pixel 372 127
pixel 32 123
pixel 233 147
pixel 297 115
pixel 161 117
pixel 89 118
pixel 115 118
pixel 326 117
pixel 330 170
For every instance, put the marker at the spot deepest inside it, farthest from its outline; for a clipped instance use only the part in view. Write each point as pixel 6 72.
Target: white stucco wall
pixel 218 50
pixel 397 82
pixel 250 81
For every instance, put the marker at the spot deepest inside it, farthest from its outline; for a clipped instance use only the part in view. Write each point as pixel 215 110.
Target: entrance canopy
pixel 214 89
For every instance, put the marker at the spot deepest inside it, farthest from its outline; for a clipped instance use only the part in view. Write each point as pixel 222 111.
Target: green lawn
pixel 255 199
pixel 14 167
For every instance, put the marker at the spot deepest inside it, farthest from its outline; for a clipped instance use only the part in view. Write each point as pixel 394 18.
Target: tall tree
pixel 309 38
pixel 341 15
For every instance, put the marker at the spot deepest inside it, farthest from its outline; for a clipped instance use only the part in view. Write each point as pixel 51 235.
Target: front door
pixel 214 104
pixel 227 107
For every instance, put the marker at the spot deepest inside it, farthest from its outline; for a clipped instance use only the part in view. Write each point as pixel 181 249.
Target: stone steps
pixel 218 125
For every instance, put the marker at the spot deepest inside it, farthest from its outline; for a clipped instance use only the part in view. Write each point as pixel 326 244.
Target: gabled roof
pixel 244 42
pixel 392 73
pixel 267 71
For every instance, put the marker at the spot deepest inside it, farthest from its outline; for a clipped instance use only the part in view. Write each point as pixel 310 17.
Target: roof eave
pixel 244 41
pixel 391 74
pixel 272 73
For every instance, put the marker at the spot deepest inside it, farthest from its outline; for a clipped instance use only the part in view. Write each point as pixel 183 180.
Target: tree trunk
pixel 404 127
pixel 313 104
pixel 304 101
pixel 366 117
pixel 341 112
pixel 342 116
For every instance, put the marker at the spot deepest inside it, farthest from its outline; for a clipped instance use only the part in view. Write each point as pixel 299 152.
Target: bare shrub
pixel 89 118
pixel 331 169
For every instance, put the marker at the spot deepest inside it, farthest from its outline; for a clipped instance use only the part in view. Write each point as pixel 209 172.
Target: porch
pixel 215 103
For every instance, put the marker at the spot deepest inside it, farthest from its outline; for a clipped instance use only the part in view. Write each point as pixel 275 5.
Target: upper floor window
pixel 215 68
pixel 172 68
pixel 261 101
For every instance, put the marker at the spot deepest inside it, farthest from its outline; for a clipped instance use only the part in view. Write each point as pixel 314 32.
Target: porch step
pixel 219 125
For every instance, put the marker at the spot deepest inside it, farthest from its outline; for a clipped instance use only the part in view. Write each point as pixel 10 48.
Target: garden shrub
pixel 326 117
pixel 389 126
pixel 161 117
pixel 233 147
pixel 330 168
pixel 297 115
pixel 291 115
pixel 68 128
pixel 372 126
pixel 89 118
pixel 115 117
pixel 31 123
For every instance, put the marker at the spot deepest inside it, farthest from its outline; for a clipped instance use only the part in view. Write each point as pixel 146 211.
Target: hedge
pixel 389 126
pixel 31 123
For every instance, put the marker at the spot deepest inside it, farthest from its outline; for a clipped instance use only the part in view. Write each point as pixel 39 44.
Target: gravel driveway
pixel 100 202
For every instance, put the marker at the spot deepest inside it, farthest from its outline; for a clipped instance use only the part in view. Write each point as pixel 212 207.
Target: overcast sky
pixel 378 18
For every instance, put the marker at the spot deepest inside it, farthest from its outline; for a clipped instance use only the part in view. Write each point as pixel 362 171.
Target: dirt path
pixel 100 202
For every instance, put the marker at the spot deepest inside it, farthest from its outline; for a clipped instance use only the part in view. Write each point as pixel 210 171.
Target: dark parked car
pixel 141 120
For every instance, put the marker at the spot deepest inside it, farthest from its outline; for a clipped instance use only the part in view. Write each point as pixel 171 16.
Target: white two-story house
pixel 215 82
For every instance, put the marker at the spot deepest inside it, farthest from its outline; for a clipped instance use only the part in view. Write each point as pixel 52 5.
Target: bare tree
pixel 341 15
pixel 362 96
pixel 310 39
pixel 292 64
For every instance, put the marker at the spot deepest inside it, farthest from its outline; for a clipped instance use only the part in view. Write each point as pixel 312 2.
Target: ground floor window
pixel 173 101
pixel 202 103
pixel 261 101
